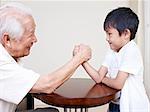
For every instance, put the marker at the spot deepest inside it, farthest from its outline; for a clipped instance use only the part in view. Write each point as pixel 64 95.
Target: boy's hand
pixel 83 51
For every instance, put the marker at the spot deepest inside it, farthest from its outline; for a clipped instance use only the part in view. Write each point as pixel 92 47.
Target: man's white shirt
pixel 15 81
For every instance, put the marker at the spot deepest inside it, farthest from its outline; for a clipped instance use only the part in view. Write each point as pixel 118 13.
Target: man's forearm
pixel 48 83
pixel 66 70
pixel 62 74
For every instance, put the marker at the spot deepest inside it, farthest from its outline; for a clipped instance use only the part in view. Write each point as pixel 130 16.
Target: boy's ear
pixel 6 40
pixel 127 33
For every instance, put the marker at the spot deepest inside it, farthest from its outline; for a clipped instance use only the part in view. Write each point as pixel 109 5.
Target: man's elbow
pixel 48 91
pixel 50 87
pixel 44 85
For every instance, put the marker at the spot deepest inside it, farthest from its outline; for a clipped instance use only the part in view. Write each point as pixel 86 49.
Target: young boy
pixel 123 67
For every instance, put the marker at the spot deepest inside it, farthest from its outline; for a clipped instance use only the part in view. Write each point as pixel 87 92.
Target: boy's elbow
pixel 119 86
pixel 98 81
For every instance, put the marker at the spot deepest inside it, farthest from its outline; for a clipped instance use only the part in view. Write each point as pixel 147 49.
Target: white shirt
pixel 15 81
pixel 133 95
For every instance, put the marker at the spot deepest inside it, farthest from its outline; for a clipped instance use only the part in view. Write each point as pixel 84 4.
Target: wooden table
pixel 79 93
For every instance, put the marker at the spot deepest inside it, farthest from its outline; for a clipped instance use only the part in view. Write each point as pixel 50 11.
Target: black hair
pixel 121 19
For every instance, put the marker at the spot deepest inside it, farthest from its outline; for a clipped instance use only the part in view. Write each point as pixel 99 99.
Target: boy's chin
pixel 114 49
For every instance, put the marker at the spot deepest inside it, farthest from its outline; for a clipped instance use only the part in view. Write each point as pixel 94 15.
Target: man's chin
pixel 26 54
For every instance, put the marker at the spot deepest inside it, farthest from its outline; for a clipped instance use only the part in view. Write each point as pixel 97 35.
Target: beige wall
pixel 62 24
pixel 147 45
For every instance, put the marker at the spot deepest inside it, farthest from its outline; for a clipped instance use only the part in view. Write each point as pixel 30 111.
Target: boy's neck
pixel 126 42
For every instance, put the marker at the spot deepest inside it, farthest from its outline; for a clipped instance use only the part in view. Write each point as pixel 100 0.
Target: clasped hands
pixel 83 51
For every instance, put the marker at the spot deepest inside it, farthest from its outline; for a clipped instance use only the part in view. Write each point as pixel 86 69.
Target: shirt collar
pixel 4 55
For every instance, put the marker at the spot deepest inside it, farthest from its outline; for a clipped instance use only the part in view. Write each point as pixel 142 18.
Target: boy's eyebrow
pixel 107 30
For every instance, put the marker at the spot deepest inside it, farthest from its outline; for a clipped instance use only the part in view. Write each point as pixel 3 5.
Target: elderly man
pixel 17 28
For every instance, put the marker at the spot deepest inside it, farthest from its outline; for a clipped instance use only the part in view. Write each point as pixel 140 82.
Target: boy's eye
pixel 109 33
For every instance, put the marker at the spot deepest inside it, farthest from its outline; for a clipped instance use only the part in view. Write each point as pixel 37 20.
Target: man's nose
pixel 35 39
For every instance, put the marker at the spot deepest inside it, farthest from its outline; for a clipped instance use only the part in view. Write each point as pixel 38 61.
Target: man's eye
pixel 32 34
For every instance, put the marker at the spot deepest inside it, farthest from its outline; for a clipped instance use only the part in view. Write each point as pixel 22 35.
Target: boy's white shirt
pixel 15 82
pixel 133 95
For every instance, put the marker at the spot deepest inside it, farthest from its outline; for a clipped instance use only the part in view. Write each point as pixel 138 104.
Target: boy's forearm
pixel 111 83
pixel 92 72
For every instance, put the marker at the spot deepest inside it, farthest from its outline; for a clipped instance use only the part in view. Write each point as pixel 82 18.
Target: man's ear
pixel 6 40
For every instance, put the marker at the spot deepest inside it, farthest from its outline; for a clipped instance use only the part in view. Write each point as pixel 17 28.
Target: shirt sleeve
pixel 15 82
pixel 131 61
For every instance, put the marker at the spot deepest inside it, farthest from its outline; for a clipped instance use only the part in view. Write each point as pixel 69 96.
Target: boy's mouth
pixel 109 43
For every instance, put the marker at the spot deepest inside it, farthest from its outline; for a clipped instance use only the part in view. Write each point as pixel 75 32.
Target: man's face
pixel 115 41
pixel 21 47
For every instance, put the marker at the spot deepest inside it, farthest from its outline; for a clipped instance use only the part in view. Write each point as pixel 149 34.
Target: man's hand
pixel 83 51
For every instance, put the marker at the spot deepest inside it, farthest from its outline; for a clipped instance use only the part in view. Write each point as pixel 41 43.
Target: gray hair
pixel 9 23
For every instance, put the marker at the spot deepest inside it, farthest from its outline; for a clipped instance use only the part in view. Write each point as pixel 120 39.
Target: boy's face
pixel 115 41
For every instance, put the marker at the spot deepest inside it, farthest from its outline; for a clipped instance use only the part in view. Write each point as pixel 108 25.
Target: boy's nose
pixel 107 38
